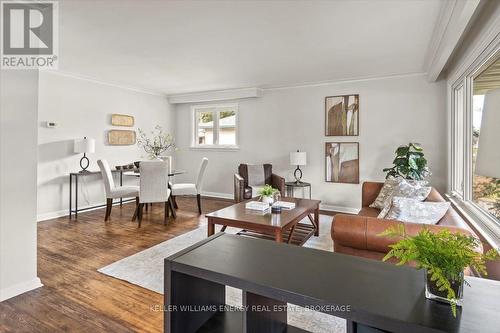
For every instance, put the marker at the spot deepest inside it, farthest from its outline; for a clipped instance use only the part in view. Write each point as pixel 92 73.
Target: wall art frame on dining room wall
pixel 124 120
pixel 342 162
pixel 342 115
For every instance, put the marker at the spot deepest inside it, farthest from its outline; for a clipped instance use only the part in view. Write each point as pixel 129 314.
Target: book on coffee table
pixel 257 205
pixel 284 204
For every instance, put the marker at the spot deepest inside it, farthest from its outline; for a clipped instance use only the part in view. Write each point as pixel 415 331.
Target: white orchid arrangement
pixel 158 143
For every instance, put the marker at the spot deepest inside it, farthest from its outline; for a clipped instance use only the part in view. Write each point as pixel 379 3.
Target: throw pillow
pixel 386 192
pixel 415 211
pixel 405 189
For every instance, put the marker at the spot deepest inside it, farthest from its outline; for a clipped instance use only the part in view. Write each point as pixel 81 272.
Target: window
pixel 215 126
pixel 472 188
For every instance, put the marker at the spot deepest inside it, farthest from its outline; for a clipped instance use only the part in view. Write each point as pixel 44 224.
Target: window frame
pixel 215 144
pixel 461 130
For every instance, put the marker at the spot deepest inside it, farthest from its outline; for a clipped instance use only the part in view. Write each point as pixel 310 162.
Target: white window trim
pixel 215 146
pixel 488 226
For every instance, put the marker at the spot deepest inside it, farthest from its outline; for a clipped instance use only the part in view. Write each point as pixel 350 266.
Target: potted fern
pixel 444 255
pixel 267 194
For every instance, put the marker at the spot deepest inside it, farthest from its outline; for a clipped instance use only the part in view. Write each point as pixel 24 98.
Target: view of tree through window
pixel 485 190
pixel 216 126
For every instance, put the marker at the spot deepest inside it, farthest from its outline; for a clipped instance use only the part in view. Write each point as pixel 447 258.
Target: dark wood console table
pixel 380 297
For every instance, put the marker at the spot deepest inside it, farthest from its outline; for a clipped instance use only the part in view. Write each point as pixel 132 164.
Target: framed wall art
pixel 342 162
pixel 342 115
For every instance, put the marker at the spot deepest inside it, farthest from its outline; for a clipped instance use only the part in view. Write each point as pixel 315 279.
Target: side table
pixel 291 186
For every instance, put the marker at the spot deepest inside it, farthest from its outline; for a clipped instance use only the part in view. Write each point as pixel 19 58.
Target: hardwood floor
pixel 77 298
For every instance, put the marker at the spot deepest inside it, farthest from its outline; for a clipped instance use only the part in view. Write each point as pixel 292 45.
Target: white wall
pixel 18 150
pixel 393 111
pixel 84 108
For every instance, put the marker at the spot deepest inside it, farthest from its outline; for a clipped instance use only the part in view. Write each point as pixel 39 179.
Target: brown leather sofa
pixel 357 234
pixel 242 191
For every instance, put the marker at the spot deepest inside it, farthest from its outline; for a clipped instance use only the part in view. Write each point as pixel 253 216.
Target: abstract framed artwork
pixel 342 115
pixel 342 162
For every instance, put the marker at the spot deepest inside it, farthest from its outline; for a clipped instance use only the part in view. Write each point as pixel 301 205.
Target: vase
pixel 433 292
pixel 268 200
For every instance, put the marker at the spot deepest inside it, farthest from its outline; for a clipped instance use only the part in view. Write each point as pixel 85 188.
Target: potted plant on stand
pixel 267 194
pixel 444 255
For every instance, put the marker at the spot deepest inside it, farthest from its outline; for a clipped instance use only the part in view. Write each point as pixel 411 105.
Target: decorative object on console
pixel 157 144
pixel 444 255
pixel 268 194
pixel 342 115
pixel 122 120
pixel 409 163
pixel 121 137
pixel 85 146
pixel 298 158
pixel 342 162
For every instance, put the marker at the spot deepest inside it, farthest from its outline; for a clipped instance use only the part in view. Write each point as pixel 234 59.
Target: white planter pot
pixel 268 200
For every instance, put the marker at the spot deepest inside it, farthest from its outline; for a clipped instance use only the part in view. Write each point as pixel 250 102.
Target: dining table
pixel 170 174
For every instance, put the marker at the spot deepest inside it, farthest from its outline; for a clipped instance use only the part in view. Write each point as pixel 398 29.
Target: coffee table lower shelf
pixel 232 322
pixel 301 232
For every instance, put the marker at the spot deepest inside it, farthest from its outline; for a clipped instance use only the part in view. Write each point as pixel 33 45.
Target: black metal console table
pixel 73 178
pixel 372 296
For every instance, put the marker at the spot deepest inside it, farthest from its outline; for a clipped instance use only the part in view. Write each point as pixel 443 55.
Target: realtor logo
pixel 29 34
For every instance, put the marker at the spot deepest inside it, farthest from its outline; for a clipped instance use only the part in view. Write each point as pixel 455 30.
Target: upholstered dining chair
pixel 189 189
pixel 112 191
pixel 153 186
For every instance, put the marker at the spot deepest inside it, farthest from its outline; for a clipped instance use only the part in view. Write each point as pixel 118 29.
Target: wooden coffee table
pixel 283 227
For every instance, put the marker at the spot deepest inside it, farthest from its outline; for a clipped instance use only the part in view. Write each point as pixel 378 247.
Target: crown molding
pixel 452 24
pixel 217 95
pixel 106 83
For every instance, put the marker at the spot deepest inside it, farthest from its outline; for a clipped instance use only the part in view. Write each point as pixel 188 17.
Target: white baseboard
pixel 19 288
pixel 52 215
pixel 218 195
pixel 339 209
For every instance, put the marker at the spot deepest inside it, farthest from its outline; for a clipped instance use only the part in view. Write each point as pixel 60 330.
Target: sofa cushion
pixel 413 210
pixel 405 189
pixel 386 191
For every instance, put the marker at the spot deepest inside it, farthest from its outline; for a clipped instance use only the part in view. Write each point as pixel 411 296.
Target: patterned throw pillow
pixel 386 192
pixel 412 210
pixel 405 189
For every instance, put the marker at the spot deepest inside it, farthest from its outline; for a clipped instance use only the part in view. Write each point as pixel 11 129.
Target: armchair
pixel 243 191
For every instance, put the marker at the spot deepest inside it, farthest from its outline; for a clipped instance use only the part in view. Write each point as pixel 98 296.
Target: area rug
pixel 145 269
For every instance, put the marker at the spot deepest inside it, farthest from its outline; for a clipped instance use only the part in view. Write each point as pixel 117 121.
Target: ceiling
pixel 189 46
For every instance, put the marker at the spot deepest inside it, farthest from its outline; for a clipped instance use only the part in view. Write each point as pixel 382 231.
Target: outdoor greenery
pixel 206 117
pixel 158 143
pixel 267 191
pixel 409 163
pixel 444 255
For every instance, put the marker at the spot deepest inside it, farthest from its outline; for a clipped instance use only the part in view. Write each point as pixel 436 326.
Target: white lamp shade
pixel 298 158
pixel 84 145
pixel 488 153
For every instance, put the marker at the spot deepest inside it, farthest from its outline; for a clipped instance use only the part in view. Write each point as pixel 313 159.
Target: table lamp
pixel 85 146
pixel 298 158
pixel 488 153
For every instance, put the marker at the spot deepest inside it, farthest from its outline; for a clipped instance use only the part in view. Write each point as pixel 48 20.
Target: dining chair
pixel 153 186
pixel 112 191
pixel 189 189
